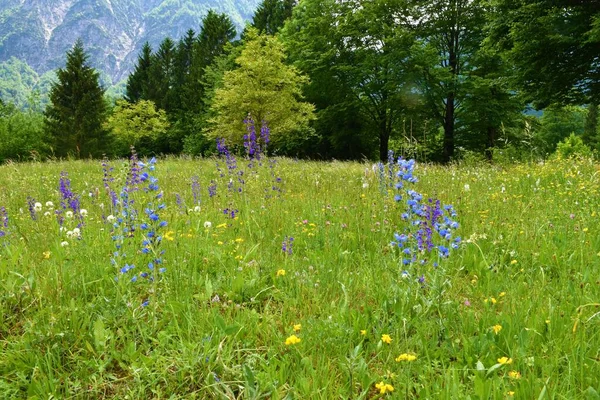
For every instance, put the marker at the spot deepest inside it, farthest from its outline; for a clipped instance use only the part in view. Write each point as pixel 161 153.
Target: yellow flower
pixel 169 235
pixel 505 360
pixel 239 240
pixel 497 328
pixel 363 332
pixel 292 340
pixel 281 272
pixel 493 300
pixel 385 338
pixel 514 374
pixel 384 387
pixel 502 294
pixel 585 229
pixel 46 255
pixel 222 225
pixel 510 393
pixel 513 262
pixel 297 327
pixel 406 357
pixel 219 243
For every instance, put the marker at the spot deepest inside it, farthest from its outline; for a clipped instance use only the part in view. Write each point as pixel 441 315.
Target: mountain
pixel 40 32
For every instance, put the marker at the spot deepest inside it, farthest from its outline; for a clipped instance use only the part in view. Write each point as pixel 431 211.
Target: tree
pixel 182 69
pixel 137 124
pixel 557 123
pixel 361 52
pixel 161 77
pixel 452 32
pixel 217 30
pixel 554 47
pixel 270 15
pixel 375 59
pixel 21 133
pixel 74 120
pixel 489 103
pixel 265 88
pixel 137 82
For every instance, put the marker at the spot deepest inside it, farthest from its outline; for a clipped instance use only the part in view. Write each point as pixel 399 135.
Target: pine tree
pixel 270 16
pixel 77 111
pixel 161 75
pixel 217 30
pixel 181 70
pixel 137 83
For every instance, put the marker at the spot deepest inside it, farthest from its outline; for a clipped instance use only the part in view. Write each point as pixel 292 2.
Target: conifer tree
pixel 137 83
pixel 77 111
pixel 271 15
pixel 181 70
pixel 217 30
pixel 161 75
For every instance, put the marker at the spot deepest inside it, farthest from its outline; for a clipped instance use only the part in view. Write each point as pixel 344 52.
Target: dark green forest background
pixel 435 80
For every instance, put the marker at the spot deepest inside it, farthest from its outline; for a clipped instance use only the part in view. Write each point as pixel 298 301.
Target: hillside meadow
pixel 230 278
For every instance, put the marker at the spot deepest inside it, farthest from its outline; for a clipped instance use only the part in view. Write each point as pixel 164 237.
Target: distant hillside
pixel 39 32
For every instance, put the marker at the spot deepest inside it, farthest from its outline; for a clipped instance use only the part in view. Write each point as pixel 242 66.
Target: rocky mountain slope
pixel 40 32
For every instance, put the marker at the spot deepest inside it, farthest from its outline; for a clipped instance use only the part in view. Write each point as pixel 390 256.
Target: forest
pixel 438 81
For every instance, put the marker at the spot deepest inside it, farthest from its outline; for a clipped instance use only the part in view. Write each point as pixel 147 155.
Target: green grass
pixel 218 318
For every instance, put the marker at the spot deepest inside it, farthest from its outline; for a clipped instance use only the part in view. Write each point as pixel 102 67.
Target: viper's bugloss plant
pixel 428 233
pixel 137 231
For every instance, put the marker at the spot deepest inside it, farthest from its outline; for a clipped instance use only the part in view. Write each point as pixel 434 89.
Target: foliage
pixel 137 83
pixel 557 123
pixel 553 46
pixel 74 121
pixel 266 89
pixel 139 125
pixel 271 15
pixel 21 134
pixel 573 146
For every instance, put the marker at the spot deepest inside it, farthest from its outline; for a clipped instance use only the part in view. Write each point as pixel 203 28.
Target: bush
pixel 572 147
pixel 21 134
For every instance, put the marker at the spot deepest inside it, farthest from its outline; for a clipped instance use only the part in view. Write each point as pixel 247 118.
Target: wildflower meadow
pixel 248 276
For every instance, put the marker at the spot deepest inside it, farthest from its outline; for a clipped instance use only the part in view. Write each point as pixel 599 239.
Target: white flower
pixel 207 224
pixel 76 232
pixel 37 207
pixel 47 214
pixel 65 243
pixel 49 204
pixel 197 209
pixel 69 214
pixel 111 218
pixel 70 234
pixel 365 185
pixel 102 206
pixel 83 212
pixel 467 187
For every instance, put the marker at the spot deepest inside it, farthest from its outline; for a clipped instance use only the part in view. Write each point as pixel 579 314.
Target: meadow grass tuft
pixel 281 281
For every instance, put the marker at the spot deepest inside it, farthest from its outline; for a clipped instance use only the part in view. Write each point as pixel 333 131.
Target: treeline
pixel 435 80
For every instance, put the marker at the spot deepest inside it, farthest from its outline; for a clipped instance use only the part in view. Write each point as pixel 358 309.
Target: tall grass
pixel 525 285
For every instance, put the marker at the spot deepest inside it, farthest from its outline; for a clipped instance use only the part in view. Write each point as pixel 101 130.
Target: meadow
pixel 198 281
